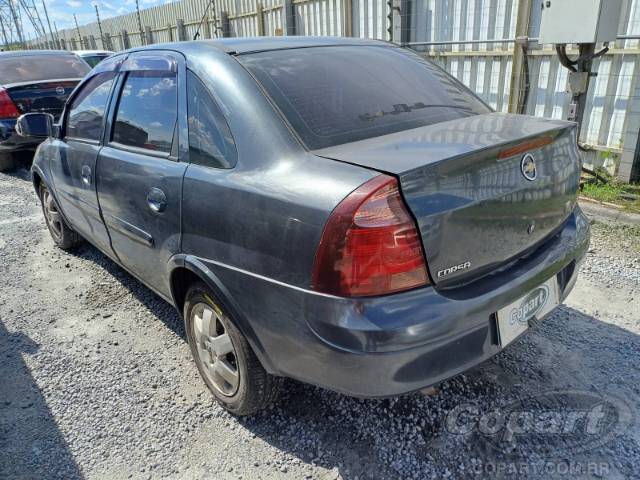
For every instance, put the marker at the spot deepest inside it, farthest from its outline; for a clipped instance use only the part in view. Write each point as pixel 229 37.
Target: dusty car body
pixel 367 237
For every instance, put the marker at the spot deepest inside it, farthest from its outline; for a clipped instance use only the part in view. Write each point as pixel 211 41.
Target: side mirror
pixel 35 125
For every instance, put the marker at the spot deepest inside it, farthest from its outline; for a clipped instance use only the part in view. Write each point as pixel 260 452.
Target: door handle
pixel 86 175
pixel 157 200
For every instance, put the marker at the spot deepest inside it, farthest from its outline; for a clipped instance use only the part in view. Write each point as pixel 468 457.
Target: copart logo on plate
pixel 552 423
pixel 530 306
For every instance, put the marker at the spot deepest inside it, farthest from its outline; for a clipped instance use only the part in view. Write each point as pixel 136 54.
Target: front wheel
pixel 61 233
pixel 224 358
pixel 7 162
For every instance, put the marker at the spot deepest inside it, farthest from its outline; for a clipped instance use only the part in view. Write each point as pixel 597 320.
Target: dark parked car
pixel 337 211
pixel 33 81
pixel 93 57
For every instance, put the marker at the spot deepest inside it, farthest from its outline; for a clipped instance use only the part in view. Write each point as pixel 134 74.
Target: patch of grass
pixel 614 192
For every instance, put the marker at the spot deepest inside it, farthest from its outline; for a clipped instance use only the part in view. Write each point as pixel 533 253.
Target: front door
pixel 79 146
pixel 139 175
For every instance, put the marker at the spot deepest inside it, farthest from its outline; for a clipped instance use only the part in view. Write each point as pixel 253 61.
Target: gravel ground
pixel 96 381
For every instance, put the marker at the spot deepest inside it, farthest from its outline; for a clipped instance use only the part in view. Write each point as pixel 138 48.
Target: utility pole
pixel 16 22
pixel 100 26
pixel 46 14
pixel 518 74
pixel 55 27
pixel 37 16
pixel 142 42
pixel 4 32
pixel 78 30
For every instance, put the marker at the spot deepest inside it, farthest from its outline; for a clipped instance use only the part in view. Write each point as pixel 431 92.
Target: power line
pixel 142 39
pixel 78 30
pixel 100 26
pixel 54 40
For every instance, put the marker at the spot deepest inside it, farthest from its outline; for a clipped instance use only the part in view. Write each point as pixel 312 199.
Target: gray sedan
pixel 334 210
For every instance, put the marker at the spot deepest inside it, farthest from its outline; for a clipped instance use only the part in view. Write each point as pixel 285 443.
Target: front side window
pixel 147 111
pixel 210 140
pixel 86 112
pixel 342 94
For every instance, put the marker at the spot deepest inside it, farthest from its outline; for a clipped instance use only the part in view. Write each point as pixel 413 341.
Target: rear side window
pixel 87 109
pixel 210 140
pixel 34 68
pixel 335 95
pixel 147 111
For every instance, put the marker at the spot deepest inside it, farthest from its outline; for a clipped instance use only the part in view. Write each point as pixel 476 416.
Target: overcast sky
pixel 61 11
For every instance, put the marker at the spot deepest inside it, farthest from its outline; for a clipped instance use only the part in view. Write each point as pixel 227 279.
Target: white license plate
pixel 513 320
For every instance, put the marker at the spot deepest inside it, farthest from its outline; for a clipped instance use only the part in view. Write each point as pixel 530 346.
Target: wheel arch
pixel 184 271
pixel 37 177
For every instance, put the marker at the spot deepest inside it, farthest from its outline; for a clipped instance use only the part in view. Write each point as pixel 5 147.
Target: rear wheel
pixel 224 358
pixel 7 162
pixel 63 236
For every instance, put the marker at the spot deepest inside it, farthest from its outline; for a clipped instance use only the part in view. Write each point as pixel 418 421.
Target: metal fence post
pixel 92 42
pixel 225 24
pixel 124 40
pixel 288 17
pixel 519 52
pixel 148 35
pixel 260 19
pixel 397 18
pixel 108 44
pixel 347 18
pixel 74 46
pixel 182 34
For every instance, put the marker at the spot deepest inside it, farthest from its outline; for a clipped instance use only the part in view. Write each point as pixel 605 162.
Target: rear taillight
pixel 370 245
pixel 8 109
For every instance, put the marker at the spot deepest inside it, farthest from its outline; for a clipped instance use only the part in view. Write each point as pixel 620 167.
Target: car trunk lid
pixel 465 181
pixel 42 96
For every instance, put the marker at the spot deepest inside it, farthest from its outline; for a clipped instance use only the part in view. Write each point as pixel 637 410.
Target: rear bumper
pixel 11 142
pixel 391 345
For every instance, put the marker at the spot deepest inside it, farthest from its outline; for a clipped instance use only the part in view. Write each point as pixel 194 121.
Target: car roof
pixel 239 46
pixel 25 53
pixel 93 52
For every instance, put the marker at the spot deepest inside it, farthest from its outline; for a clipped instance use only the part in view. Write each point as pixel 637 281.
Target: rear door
pixel 139 174
pixel 79 145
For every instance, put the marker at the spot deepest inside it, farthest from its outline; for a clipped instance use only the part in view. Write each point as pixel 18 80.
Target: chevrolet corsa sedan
pixel 338 211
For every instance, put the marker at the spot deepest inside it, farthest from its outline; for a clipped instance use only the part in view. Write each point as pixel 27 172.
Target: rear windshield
pixel 335 95
pixel 33 68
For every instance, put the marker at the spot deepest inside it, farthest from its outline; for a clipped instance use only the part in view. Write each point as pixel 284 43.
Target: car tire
pixel 7 162
pixel 61 233
pixel 224 358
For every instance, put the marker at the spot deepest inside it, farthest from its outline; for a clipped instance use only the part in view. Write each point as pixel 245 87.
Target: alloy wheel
pixel 52 215
pixel 215 349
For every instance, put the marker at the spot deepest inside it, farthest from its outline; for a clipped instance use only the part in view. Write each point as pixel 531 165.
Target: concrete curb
pixel 600 212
